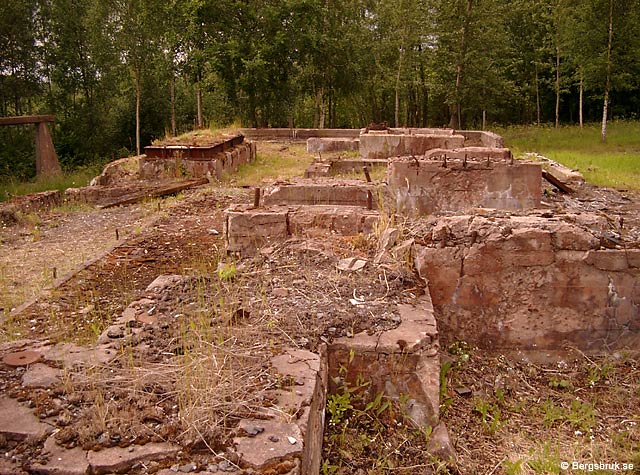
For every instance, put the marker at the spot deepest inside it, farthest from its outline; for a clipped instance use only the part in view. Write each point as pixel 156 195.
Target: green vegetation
pixel 10 186
pixel 274 161
pixel 533 417
pixel 119 75
pixel 615 163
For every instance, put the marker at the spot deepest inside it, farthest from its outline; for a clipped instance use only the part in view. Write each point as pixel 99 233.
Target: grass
pixel 274 161
pixel 11 186
pixel 615 163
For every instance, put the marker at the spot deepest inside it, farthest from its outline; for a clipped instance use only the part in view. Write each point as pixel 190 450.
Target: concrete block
pixel 334 144
pixel 384 145
pixel 422 187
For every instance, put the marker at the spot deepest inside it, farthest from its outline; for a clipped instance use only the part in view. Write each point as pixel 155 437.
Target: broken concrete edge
pixel 427 187
pixel 213 168
pixel 403 363
pixel 531 282
pixel 292 431
pixel 247 229
pixel 329 193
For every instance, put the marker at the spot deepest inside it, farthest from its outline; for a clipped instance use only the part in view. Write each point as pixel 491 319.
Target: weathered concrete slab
pixel 62 461
pixel 379 145
pixel 18 422
pixel 423 187
pixel 332 144
pixel 481 138
pixel 248 229
pixel 216 166
pixel 277 441
pixel 71 354
pixel 470 153
pixel 41 376
pixel 402 362
pixel 329 193
pixel 120 460
pixel 290 436
pixel 531 283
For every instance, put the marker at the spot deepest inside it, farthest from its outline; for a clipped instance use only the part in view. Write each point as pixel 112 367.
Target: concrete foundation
pixel 342 166
pixel 333 144
pixel 215 166
pixel 248 229
pixel 377 145
pixel 531 283
pixel 403 363
pixel 326 193
pixel 423 187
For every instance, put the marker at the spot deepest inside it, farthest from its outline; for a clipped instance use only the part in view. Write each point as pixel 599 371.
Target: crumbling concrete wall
pixel 247 229
pixel 531 282
pixel 297 134
pixel 215 167
pixel 382 144
pixel 327 193
pixel 333 144
pixel 481 138
pixel 403 363
pixel 422 187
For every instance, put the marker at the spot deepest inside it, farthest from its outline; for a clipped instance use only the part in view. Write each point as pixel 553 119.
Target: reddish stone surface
pixel 120 460
pixel 423 187
pixel 520 283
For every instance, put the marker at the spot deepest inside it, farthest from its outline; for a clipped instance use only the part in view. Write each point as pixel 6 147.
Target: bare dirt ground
pixel 190 376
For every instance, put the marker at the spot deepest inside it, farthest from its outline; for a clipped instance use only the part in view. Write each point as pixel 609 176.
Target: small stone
pixel 252 430
pixel 351 264
pixel 292 440
pixel 115 331
pixel 41 376
pixel 440 444
pixel 274 438
pixel 190 467
pixel 463 391
pixel 280 292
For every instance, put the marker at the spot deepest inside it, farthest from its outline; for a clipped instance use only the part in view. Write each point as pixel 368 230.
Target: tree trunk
pixel 607 86
pixel 321 107
pixel 397 103
pixel 580 105
pixel 199 99
pixel 173 104
pixel 456 120
pixel 537 97
pixel 484 120
pixel 557 85
pixel 137 74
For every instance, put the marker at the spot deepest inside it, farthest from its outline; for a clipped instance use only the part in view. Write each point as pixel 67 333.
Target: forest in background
pixel 119 73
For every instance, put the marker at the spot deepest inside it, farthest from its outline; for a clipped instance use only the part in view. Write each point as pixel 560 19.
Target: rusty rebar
pixel 365 169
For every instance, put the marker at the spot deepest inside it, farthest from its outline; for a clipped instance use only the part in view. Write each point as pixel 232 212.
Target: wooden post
pixel 46 158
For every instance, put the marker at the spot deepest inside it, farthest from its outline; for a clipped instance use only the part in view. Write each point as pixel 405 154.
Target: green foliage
pixel 303 63
pixel 546 460
pixel 614 164
pixel 490 415
pixel 512 468
pixel 579 415
pixel 228 272
pixel 10 186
